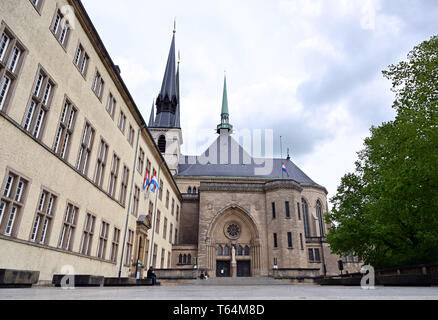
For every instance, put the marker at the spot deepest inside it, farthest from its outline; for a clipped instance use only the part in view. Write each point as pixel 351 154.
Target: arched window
pixel 240 251
pixel 189 259
pixel 246 251
pixel 180 258
pixel 162 144
pixel 189 190
pixel 194 190
pixel 185 259
pixel 220 251
pixel 306 218
pixel 227 251
pixel 320 218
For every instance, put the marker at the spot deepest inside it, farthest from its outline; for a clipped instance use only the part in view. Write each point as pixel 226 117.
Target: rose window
pixel 233 231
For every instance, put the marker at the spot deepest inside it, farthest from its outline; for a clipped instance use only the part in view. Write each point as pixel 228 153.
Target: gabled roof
pixel 226 158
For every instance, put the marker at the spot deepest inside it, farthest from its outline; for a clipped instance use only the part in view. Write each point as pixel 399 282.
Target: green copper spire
pixel 225 126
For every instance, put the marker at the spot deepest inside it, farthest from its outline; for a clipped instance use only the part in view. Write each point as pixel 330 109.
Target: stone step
pixel 238 281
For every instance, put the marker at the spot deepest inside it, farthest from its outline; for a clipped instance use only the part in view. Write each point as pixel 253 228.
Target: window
pixel 275 261
pixel 12 201
pixel 246 251
pixel 194 190
pixel 115 245
pixel 101 164
pixel 160 192
pixel 85 149
pixel 131 135
pixel 60 29
pixel 189 259
pixel 287 209
pixel 317 256
pixel 226 251
pixel 122 122
pixel 103 239
pixel 65 130
pixel 111 105
pixel 140 162
pixel 180 259
pixel 163 254
pixel 69 227
pixel 176 236
pixel 298 211
pixel 113 176
pixel 167 199
pixel 98 85
pixel 39 105
pixel 275 241
pixel 289 239
pixel 170 233
pixel 124 185
pixel 37 4
pixel 11 59
pixel 320 218
pixel 168 260
pixel 87 236
pixel 173 206
pixel 129 246
pixel 189 190
pixel 136 201
pixel 306 218
pixel 43 218
pixel 177 213
pixel 273 210
pixel 301 241
pixel 165 228
pixel 162 144
pixel 220 251
pixel 311 257
pixel 240 251
pixel 81 60
pixel 157 223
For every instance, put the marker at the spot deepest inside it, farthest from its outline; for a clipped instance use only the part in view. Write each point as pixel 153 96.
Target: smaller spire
pixel 225 125
pixel 174 25
pixel 151 118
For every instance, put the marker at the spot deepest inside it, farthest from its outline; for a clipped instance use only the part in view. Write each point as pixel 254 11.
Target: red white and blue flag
pixel 146 180
pixel 284 169
pixel 154 184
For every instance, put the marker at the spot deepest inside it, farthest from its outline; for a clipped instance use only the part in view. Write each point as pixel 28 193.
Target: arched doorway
pixel 234 246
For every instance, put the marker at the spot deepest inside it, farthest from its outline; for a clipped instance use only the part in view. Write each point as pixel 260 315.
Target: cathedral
pixel 74 153
pixel 240 216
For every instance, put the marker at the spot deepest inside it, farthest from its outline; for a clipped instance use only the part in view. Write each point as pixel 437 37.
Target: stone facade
pixel 36 245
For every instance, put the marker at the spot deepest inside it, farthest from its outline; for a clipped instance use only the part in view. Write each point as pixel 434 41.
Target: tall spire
pixel 167 100
pixel 224 126
pixel 177 116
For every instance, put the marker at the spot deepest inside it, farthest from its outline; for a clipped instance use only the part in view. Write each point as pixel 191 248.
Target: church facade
pixel 240 215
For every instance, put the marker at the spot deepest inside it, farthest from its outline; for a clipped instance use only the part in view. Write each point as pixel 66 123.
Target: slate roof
pixel 226 158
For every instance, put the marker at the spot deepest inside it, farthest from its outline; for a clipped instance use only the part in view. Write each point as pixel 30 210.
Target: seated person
pixel 151 275
pixel 206 275
pixel 202 276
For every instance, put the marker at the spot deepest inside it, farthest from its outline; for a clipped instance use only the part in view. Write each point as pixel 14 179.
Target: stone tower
pixel 165 124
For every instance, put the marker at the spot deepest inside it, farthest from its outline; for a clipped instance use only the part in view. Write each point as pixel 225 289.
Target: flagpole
pixel 154 221
pixel 129 201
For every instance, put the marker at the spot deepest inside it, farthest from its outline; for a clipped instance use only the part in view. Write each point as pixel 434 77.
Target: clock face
pixel 232 230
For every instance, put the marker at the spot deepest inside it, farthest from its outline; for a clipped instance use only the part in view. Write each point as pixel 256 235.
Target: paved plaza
pixel 193 292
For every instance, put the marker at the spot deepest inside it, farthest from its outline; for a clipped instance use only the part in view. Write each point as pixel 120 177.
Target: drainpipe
pixel 130 196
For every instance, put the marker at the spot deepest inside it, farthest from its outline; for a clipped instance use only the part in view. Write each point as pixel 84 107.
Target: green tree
pixel 386 212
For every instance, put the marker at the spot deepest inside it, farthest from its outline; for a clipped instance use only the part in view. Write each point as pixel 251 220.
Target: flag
pixel 146 180
pixel 154 184
pixel 283 168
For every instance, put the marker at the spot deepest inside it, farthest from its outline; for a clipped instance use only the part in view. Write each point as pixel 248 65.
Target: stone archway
pixel 233 244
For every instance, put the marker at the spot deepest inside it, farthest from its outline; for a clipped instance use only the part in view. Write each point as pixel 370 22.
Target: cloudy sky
pixel 308 69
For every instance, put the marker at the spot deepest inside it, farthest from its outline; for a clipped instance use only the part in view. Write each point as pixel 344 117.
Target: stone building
pixel 73 152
